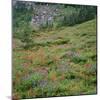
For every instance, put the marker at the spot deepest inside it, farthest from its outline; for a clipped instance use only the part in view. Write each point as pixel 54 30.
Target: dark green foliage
pixel 87 13
pixel 21 18
pixel 27 38
pixel 78 14
pixel 79 59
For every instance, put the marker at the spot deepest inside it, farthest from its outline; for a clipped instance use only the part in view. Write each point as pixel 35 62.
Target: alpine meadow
pixel 54 50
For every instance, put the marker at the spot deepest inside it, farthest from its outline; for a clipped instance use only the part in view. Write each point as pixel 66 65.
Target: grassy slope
pixel 62 62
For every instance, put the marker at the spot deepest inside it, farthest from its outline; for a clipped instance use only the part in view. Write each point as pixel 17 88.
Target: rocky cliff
pixel 43 14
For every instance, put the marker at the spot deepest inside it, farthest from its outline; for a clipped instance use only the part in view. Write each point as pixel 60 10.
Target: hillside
pixel 40 16
pixel 61 62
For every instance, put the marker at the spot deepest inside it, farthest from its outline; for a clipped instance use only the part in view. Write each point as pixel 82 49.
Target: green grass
pixel 62 62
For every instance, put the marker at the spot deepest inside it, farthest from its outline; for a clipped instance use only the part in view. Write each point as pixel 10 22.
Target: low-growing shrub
pixel 79 59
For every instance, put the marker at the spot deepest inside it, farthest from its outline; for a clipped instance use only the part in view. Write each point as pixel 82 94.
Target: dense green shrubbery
pixel 78 14
pixel 27 37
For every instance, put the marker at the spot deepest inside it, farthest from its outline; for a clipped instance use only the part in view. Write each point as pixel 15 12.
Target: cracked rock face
pixel 44 15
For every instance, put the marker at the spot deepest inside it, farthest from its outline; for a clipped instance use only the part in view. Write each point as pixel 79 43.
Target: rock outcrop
pixel 45 15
